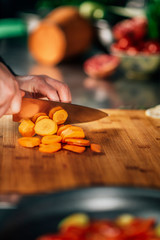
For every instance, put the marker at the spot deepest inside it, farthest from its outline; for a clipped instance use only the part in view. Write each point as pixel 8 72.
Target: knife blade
pixel 76 113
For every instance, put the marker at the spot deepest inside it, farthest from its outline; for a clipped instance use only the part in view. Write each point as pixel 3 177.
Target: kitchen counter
pixel 118 91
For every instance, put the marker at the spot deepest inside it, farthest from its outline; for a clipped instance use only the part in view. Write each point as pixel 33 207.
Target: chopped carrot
pixel 60 116
pixel 77 142
pixel 95 147
pixel 51 139
pixel 51 148
pixel 62 128
pixel 26 128
pixel 73 133
pixel 73 128
pixel 34 118
pixel 41 117
pixel 29 142
pixel 73 148
pixel 53 110
pixel 45 127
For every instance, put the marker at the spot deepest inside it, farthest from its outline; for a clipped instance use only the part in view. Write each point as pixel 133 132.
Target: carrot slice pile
pixel 54 134
pixel 29 142
pixel 26 128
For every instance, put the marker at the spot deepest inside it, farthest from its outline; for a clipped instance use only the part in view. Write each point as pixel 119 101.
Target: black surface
pixel 40 214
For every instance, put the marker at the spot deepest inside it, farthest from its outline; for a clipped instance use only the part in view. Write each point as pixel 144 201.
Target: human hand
pixel 10 94
pixel 48 87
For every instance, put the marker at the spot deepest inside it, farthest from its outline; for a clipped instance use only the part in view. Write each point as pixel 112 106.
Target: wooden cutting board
pixel 130 157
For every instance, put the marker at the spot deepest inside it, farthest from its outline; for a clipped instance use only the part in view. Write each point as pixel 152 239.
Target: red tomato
pixel 139 227
pixel 151 47
pixel 134 29
pixel 132 51
pixel 73 232
pixel 106 229
pixel 124 43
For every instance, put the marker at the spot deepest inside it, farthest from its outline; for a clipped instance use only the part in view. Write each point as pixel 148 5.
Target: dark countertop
pixel 115 92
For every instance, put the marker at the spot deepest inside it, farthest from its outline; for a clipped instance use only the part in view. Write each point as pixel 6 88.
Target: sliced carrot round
pixel 51 148
pixel 73 148
pixel 62 128
pixel 77 142
pixel 95 147
pixel 70 133
pixel 51 139
pixel 29 142
pixel 34 118
pixel 53 110
pixel 45 127
pixel 60 116
pixel 26 128
pixel 41 117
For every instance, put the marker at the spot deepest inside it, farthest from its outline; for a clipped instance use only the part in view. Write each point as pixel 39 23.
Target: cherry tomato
pixel 152 47
pixel 138 227
pixel 107 229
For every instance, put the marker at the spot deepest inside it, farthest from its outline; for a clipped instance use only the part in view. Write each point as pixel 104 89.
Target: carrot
pixel 57 36
pixel 73 134
pixel 29 142
pixel 47 43
pixel 62 128
pixel 71 127
pixel 77 142
pixel 41 117
pixel 26 128
pixel 73 148
pixel 51 148
pixel 53 110
pixel 34 118
pixel 45 127
pixel 95 147
pixel 60 116
pixel 51 139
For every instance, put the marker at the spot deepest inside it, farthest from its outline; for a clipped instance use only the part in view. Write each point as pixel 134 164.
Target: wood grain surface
pixel 130 157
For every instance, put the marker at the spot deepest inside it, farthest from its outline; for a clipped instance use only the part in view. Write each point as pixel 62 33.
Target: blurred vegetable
pixel 63 33
pixel 77 219
pixel 101 65
pixel 124 220
pixel 91 9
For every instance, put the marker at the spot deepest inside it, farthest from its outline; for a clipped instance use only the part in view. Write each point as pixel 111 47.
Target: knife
pixel 76 113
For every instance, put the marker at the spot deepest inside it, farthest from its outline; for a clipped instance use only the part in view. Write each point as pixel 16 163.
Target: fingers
pixel 47 90
pixel 10 101
pixel 61 88
pixel 15 105
pixel 52 89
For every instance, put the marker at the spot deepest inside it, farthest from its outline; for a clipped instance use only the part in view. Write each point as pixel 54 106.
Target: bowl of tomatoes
pixel 139 55
pixel 114 213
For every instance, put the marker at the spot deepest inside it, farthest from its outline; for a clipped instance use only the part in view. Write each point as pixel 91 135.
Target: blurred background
pixel 107 51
